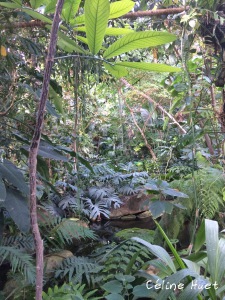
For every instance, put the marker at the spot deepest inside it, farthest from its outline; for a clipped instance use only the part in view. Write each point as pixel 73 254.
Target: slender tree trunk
pixel 34 150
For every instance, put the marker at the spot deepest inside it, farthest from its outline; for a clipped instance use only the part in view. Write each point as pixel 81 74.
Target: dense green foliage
pixel 135 107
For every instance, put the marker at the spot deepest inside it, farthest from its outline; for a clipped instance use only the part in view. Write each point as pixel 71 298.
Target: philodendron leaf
pixel 138 40
pixel 69 10
pixel 119 8
pixel 96 19
pixel 158 208
pixel 117 71
pixel 149 66
pixel 2 190
pixel 17 207
pixel 14 176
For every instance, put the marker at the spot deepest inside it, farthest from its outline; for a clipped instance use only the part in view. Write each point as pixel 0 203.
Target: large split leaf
pixel 96 19
pixel 149 66
pixel 13 175
pixel 138 40
pixel 17 207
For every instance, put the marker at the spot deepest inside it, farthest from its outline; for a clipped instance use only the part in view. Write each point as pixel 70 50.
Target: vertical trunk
pixel 34 150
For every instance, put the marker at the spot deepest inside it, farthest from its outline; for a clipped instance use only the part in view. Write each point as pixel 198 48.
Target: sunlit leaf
pixel 36 3
pixel 3 51
pixel 117 71
pixel 149 66
pixel 69 10
pixel 109 31
pixel 138 40
pixel 96 19
pixel 119 8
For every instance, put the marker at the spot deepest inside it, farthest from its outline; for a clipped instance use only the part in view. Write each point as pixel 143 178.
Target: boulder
pixel 53 260
pixel 132 205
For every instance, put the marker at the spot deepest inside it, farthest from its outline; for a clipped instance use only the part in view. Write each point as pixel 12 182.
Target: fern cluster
pixel 208 185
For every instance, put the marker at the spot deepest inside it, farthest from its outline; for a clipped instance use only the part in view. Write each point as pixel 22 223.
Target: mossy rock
pixel 144 234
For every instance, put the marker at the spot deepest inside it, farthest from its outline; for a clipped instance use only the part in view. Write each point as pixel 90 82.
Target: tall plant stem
pixel 34 150
pixel 157 105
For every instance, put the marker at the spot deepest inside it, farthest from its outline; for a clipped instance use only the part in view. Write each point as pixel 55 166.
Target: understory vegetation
pixel 112 150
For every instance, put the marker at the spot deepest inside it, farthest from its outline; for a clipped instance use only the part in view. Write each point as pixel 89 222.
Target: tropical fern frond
pixel 20 262
pixel 19 242
pixel 64 231
pixel 79 267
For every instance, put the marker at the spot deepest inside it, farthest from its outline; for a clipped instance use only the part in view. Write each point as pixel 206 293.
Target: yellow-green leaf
pixel 70 9
pixel 67 44
pixel 115 70
pixel 3 51
pixel 109 31
pixel 96 19
pixel 36 3
pixel 138 40
pixel 149 66
pixel 37 15
pixel 10 5
pixel 120 8
pixel 50 7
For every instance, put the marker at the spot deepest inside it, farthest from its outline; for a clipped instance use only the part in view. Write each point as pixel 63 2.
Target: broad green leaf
pixel 14 176
pixel 108 31
pixel 138 40
pixel 221 260
pixel 112 286
pixel 149 66
pixel 96 19
pixel 82 39
pixel 50 7
pixel 57 100
pixel 36 15
pixel 117 71
pixel 114 296
pixel 212 246
pixel 47 150
pixel 36 3
pixel 159 252
pixel 69 10
pixel 2 190
pixel 158 208
pixel 175 279
pixel 199 237
pixel 119 8
pixel 17 2
pixel 10 5
pixel 17 207
pixel 68 45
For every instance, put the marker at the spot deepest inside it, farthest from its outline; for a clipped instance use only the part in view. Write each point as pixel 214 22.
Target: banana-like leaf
pixel 120 8
pixel 14 176
pixel 138 40
pixel 17 207
pixel 174 281
pixel 212 245
pixel 159 252
pixel 96 19
pixel 2 190
pixel 115 70
pixel 109 31
pixel 36 15
pixel 36 3
pixel 68 45
pixel 117 9
pixel 69 10
pixel 10 5
pixel 149 66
